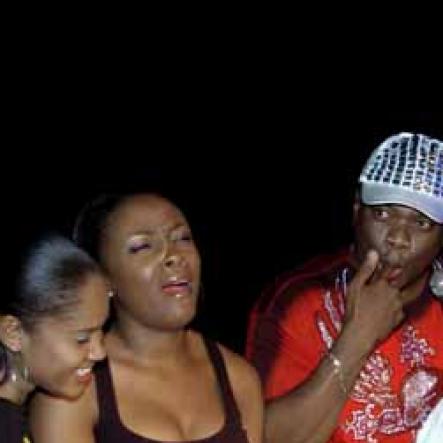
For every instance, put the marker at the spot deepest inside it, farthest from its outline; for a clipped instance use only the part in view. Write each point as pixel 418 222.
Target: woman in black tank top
pixel 162 382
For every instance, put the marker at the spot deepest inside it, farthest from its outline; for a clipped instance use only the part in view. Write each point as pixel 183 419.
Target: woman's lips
pixel 84 375
pixel 176 288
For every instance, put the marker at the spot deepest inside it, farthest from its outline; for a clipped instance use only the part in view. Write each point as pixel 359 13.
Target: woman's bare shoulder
pixel 53 418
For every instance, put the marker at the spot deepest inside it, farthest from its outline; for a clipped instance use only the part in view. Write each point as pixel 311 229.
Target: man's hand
pixel 373 307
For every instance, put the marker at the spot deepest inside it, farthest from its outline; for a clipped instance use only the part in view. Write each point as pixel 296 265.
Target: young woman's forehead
pixel 89 310
pixel 144 211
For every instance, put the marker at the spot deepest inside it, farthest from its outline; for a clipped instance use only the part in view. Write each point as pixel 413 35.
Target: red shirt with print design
pixel 297 320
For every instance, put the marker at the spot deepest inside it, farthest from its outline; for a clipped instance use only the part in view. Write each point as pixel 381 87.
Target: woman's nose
pixel 97 350
pixel 173 260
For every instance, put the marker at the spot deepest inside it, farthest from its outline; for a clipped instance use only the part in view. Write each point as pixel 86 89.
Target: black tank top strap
pixel 108 412
pixel 231 410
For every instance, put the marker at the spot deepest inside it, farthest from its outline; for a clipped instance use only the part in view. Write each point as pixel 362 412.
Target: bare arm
pixel 248 394
pixel 310 412
pixel 53 419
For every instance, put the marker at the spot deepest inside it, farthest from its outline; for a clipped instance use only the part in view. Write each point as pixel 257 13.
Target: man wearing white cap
pixel 350 347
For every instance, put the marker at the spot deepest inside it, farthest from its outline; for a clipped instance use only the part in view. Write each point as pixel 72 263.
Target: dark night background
pixel 265 176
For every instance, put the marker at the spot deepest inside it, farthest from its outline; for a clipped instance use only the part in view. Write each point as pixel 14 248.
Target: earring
pixel 19 370
pixel 14 376
pixel 436 281
pixel 111 293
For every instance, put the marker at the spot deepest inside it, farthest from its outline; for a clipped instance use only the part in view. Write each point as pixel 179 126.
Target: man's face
pixel 406 240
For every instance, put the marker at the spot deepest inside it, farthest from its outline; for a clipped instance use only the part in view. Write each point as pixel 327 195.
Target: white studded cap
pixel 406 169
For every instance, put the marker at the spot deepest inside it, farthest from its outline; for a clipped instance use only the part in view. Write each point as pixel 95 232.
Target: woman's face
pixel 407 241
pixel 61 350
pixel 153 262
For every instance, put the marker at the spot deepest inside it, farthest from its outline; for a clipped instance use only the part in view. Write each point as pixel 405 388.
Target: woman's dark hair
pixel 44 282
pixel 91 222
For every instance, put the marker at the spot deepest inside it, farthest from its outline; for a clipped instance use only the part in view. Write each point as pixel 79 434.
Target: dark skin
pixel 394 250
pixel 165 384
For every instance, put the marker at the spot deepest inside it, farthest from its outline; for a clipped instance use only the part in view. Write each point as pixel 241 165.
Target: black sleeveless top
pixel 12 423
pixel 110 429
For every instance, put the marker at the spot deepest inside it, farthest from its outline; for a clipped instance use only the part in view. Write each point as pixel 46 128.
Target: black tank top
pixel 110 429
pixel 12 423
